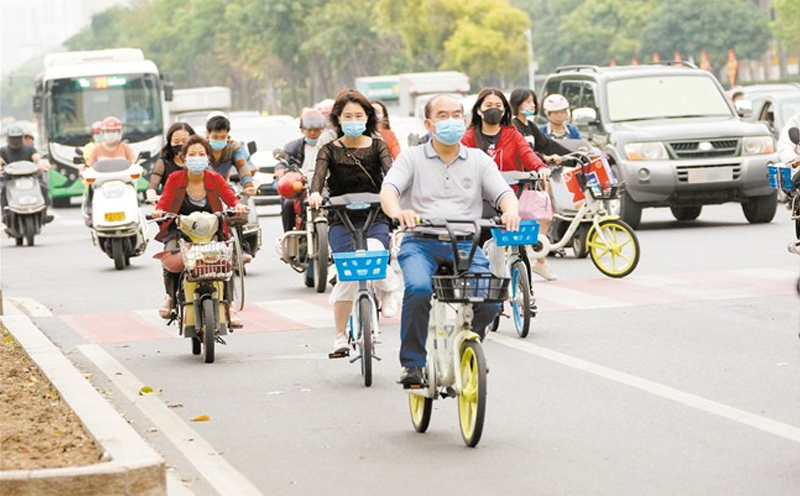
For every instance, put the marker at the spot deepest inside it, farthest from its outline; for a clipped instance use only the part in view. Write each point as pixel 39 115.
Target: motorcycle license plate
pixel 115 216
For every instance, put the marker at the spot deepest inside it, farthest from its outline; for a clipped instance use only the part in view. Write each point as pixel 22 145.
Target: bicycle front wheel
pixel 616 252
pixel 472 398
pixel 365 338
pixel 521 298
pixel 237 279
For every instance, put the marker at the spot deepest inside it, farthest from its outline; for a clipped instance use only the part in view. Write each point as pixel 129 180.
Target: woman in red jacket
pixel 196 188
pixel 491 131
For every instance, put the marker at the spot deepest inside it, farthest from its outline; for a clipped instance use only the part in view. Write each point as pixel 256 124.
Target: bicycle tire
pixel 421 409
pixel 321 260
pixel 209 326
pixel 521 298
pixel 625 250
pixel 237 279
pixel 472 397
pixel 364 339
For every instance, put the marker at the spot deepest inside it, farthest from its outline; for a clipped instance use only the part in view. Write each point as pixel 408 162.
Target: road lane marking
pixel 764 424
pixel 32 307
pixel 220 474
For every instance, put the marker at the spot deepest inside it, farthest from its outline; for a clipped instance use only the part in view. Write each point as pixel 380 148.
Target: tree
pixel 786 25
pixel 689 27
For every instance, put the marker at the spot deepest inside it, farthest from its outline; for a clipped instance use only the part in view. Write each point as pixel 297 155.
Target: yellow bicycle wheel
pixel 472 398
pixel 421 408
pixel 616 252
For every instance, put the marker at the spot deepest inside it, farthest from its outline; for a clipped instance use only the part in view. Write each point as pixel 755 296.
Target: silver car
pixel 672 136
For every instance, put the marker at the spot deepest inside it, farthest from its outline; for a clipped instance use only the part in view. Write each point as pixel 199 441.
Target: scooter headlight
pixel 112 190
pixel 24 183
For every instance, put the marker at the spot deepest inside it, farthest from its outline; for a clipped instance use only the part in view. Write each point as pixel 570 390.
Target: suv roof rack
pixel 578 68
pixel 678 63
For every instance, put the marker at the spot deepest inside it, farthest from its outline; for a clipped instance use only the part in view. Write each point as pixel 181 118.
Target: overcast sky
pixel 34 27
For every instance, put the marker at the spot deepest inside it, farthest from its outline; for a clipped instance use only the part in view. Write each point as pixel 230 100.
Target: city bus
pixel 79 88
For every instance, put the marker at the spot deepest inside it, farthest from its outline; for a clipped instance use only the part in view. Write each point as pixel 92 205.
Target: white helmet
pixel 555 102
pixel 216 113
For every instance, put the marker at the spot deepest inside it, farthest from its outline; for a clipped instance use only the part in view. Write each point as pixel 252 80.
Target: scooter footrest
pixel 339 354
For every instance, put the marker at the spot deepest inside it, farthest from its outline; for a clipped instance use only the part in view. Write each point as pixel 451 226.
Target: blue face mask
pixel 218 144
pixel 354 129
pixel 310 141
pixel 528 112
pixel 196 165
pixel 450 131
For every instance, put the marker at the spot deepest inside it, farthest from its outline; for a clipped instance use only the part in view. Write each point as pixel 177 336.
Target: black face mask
pixel 493 116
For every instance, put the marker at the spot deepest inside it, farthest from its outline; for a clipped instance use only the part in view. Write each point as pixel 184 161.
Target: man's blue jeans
pixel 419 259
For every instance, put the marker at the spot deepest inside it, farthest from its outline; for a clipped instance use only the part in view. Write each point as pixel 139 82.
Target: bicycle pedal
pixel 415 386
pixel 449 393
pixel 339 354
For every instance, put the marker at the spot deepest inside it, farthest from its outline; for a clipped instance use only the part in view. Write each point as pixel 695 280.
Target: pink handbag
pixel 535 205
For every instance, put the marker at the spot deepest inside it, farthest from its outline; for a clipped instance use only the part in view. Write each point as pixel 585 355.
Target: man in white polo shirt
pixel 441 179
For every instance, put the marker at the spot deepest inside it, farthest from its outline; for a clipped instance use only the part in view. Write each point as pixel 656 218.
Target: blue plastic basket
pixel 528 234
pixel 779 177
pixel 361 265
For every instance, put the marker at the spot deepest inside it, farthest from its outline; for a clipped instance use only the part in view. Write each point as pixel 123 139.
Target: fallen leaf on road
pixel 145 390
pixel 201 418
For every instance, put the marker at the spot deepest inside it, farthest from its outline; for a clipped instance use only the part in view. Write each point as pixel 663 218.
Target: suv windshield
pixel 665 97
pixel 76 103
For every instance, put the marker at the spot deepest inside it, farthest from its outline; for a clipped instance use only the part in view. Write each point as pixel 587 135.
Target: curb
pixel 133 469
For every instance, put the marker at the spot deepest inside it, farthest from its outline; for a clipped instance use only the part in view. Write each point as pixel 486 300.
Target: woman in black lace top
pixel 354 163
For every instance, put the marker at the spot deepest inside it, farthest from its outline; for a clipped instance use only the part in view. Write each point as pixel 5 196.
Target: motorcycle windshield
pixel 111 165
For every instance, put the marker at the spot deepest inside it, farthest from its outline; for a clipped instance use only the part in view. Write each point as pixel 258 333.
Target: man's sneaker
pixel 390 304
pixel 411 377
pixel 794 248
pixel 544 270
pixel 48 219
pixel 340 343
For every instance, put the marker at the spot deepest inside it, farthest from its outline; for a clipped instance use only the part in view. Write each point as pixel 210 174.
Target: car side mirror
pixel 251 147
pixel 794 135
pixel 584 116
pixel 145 155
pixel 743 107
pixel 78 160
pixel 169 89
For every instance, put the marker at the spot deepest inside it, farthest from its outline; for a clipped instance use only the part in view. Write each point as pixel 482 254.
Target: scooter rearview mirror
pixel 145 155
pixel 794 135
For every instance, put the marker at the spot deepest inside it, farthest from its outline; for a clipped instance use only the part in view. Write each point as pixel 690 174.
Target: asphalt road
pixel 680 379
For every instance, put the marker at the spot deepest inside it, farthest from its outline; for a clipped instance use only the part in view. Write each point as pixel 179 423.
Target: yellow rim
pixel 417 404
pixel 468 399
pixel 618 255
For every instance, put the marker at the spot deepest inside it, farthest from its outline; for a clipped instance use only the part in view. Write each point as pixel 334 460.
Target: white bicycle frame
pixel 449 327
pixel 365 290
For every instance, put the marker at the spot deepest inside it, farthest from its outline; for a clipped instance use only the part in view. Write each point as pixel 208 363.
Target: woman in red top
pixel 491 131
pixel 195 188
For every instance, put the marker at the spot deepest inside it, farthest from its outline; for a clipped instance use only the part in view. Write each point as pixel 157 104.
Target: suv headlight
pixel 653 150
pixel 758 145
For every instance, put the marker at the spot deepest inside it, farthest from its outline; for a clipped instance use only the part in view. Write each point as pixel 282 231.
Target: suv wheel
pixel 761 209
pixel 630 211
pixel 686 213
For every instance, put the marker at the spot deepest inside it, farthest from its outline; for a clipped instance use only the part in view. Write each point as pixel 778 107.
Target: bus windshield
pixel 75 103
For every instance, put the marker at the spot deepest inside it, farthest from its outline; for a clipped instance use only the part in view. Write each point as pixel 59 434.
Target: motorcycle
pixel 780 178
pixel 305 248
pixel 247 229
pixel 26 211
pixel 117 224
pixel 206 265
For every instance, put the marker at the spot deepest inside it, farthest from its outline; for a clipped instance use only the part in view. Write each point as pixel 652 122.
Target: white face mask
pixel 112 137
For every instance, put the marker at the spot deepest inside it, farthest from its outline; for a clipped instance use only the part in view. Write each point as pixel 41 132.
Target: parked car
pixel 773 104
pixel 268 133
pixel 672 136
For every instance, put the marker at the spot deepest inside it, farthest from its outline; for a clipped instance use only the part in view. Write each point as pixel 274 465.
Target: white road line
pixel 300 311
pixel 32 307
pixel 780 429
pixel 220 474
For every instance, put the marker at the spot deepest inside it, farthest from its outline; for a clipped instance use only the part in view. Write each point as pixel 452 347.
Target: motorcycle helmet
pixel 325 106
pixel 14 136
pixel 216 113
pixel 291 185
pixel 96 125
pixel 111 124
pixel 555 102
pixel 312 119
